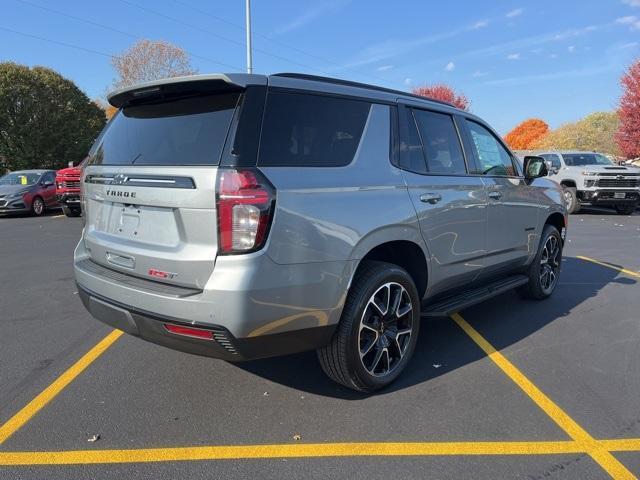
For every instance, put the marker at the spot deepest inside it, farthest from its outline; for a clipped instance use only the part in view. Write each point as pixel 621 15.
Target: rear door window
pixel 493 158
pixel 440 142
pixel 303 130
pixel 187 131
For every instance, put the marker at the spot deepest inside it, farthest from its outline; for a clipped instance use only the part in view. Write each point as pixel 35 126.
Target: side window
pixel 441 142
pixel 492 157
pixel 555 161
pixel 411 152
pixel 49 177
pixel 301 130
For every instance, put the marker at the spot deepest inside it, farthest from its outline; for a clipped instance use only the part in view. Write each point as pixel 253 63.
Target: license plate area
pixel 619 195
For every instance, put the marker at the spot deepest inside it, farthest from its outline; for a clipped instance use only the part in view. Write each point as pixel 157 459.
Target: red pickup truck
pixel 68 190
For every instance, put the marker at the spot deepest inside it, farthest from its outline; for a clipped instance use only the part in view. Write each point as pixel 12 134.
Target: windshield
pixel 580 159
pixel 189 131
pixel 17 178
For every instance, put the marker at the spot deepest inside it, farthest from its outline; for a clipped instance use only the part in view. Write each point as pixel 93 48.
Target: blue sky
pixel 557 60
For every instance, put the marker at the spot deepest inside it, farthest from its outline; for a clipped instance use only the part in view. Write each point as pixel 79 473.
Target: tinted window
pixel 492 157
pixel 311 130
pixel 441 143
pixel 411 152
pixel 49 177
pixel 580 159
pixel 189 131
pixel 555 161
pixel 18 178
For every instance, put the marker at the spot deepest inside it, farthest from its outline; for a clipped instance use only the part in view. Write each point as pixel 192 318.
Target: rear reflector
pixel 189 332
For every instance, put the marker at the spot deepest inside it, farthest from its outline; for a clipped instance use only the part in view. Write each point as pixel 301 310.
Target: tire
pixel 70 211
pixel 571 199
pixel 361 328
pixel 626 209
pixel 37 206
pixel 538 287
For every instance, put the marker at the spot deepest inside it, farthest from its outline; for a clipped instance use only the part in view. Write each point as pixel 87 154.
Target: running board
pixel 467 298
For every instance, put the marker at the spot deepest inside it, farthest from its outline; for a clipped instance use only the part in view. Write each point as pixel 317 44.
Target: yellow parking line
pixel 311 450
pixel 608 265
pixel 57 216
pixel 35 405
pixel 595 449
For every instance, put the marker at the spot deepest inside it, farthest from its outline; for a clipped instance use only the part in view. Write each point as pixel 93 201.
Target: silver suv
pixel 590 178
pixel 245 216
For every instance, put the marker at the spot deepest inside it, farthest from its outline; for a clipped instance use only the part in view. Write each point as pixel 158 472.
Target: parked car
pixel 245 216
pixel 68 190
pixel 28 191
pixel 590 178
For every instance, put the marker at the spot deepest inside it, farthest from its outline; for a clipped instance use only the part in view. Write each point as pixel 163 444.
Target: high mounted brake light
pixel 245 203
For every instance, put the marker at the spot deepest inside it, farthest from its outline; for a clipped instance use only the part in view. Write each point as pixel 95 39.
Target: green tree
pixel 46 121
pixel 595 132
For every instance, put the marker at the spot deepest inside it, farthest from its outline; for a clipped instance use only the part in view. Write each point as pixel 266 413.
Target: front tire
pixel 378 330
pixel 70 211
pixel 544 270
pixel 626 209
pixel 37 206
pixel 571 199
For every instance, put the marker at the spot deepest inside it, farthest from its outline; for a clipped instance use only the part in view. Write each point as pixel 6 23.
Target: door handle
pixel 431 198
pixel 495 195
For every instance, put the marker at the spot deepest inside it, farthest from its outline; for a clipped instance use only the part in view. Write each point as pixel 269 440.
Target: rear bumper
pixel 606 197
pixel 223 345
pixel 263 308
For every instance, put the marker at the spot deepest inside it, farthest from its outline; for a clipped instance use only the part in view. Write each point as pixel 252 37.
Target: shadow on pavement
pixel 443 343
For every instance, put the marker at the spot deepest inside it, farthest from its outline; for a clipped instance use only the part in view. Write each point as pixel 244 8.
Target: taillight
pixel 245 202
pixel 189 331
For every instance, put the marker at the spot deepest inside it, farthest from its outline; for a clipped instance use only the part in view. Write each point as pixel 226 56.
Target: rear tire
pixel 626 209
pixel 378 330
pixel 70 211
pixel 571 199
pixel 37 206
pixel 544 270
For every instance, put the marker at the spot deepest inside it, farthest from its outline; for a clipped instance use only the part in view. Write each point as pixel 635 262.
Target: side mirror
pixel 47 183
pixel 535 167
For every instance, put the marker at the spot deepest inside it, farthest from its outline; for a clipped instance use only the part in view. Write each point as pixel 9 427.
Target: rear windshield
pixel 18 178
pixel 580 159
pixel 188 131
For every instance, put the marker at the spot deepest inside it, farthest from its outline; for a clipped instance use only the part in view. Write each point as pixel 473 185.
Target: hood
pixel 606 169
pixel 70 171
pixel 10 189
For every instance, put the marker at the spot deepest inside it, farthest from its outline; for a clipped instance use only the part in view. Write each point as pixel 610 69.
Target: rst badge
pixel 160 274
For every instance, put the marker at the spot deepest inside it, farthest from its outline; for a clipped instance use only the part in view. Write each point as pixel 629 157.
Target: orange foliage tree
pixel 443 93
pixel 527 134
pixel 628 134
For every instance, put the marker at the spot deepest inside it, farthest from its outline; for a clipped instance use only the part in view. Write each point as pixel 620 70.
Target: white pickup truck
pixel 589 178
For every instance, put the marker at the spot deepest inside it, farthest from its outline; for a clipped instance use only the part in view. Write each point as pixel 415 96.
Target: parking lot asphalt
pixel 557 398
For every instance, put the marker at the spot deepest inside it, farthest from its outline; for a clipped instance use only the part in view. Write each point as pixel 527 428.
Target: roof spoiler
pixel 181 86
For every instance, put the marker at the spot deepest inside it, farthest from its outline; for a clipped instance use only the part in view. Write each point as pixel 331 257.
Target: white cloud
pixel 408 81
pixel 553 55
pixel 479 73
pixel 480 24
pixel 450 67
pixel 629 45
pixel 526 79
pixel 632 3
pixel 631 20
pixel 384 68
pixel 537 51
pixel 320 9
pixel 513 56
pixel 514 13
pixel 571 48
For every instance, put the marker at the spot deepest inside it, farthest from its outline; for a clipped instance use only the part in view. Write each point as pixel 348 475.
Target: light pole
pixel 249 60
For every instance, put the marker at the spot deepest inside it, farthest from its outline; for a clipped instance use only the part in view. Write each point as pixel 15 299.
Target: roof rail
pixel 349 83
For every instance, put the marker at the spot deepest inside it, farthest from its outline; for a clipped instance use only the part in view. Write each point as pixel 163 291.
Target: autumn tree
pixel 148 60
pixel 628 134
pixel 526 134
pixel 443 93
pixel 46 121
pixel 595 132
